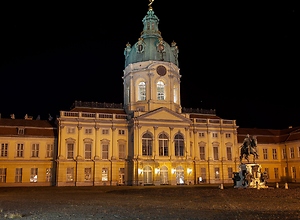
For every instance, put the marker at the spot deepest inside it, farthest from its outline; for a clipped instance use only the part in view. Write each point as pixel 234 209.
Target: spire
pixel 151 2
pixel 150 23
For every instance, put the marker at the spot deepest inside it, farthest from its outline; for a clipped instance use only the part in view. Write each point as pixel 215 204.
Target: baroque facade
pixel 149 140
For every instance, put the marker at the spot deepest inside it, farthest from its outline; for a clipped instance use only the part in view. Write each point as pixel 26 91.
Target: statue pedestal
pixel 249 176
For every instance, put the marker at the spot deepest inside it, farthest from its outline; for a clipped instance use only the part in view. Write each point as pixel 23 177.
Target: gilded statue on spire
pixel 151 2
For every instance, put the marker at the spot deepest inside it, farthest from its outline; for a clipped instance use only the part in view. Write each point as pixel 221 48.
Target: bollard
pixel 286 186
pixel 277 185
pixel 221 186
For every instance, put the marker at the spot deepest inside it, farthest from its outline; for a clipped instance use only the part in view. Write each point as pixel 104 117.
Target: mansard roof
pixel 43 128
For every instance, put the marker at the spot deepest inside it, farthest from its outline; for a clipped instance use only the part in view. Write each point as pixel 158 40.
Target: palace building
pixel 150 139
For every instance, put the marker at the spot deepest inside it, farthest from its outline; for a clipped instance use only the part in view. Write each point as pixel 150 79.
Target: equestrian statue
pixel 249 147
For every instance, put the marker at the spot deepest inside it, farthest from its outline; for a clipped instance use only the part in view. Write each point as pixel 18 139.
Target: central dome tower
pixel 151 75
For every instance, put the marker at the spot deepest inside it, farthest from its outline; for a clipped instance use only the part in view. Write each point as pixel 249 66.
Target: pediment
pixel 164 114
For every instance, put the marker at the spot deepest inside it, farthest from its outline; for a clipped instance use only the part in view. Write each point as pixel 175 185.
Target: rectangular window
pixel 70 174
pixel 202 152
pixel 105 131
pixel 230 172
pixel 121 151
pixel 35 150
pixel 229 153
pixel 88 131
pixel 2 175
pixel 104 174
pixel 121 132
pixel 49 150
pixel 33 175
pixel 88 151
pixel 70 130
pixel 217 173
pixel 216 153
pixel 214 135
pixel 18 176
pixel 274 153
pixel 20 150
pixel 70 151
pixel 265 153
pixel 48 174
pixel 276 173
pixel 292 152
pixel 104 151
pixel 298 151
pixel 227 135
pixel 87 174
pixel 283 153
pixel 4 149
pixel 293 172
pixel 201 134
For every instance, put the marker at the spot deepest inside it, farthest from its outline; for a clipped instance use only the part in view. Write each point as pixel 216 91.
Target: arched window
pixel 163 145
pixel 142 91
pixel 147 171
pixel 179 145
pixel 160 90
pixel 147 142
pixel 175 94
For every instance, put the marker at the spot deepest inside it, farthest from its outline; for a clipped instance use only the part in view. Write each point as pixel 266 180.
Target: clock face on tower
pixel 161 70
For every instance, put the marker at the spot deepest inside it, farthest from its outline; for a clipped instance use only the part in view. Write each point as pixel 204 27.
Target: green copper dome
pixel 150 45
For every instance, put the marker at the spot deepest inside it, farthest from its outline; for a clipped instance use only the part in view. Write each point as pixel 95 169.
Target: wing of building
pixel 150 139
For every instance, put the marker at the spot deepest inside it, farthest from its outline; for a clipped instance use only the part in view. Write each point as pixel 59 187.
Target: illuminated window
pixel 48 174
pixel 147 143
pixel 142 91
pixel 104 174
pixel 217 173
pixel 163 142
pixel 70 174
pixel 87 174
pixel 160 90
pixel 33 175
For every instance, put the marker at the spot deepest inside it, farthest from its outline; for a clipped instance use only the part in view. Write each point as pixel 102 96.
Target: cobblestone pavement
pixel 150 202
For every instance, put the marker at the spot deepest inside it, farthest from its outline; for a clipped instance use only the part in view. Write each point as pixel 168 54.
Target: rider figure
pixel 247 143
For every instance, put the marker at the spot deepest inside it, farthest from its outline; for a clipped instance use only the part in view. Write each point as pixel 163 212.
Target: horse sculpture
pixel 248 148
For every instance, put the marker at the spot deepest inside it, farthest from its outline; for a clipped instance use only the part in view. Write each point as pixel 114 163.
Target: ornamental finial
pixel 151 2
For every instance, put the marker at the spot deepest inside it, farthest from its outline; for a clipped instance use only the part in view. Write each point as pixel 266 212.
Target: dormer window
pixel 21 130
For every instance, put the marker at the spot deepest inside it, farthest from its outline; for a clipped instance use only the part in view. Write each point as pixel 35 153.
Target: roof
pixel 11 127
pixel 269 136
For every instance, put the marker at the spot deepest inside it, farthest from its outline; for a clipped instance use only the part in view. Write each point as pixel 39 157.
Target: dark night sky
pixel 239 59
